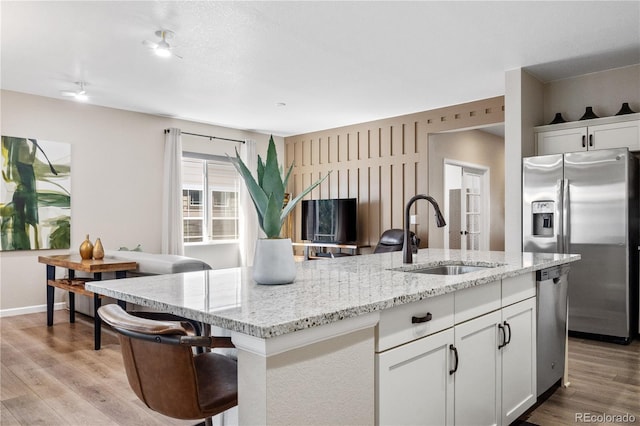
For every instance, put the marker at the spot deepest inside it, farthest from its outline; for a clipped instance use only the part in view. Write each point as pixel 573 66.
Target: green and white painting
pixel 35 194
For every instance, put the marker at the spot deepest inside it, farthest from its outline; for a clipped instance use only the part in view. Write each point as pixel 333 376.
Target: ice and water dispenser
pixel 543 220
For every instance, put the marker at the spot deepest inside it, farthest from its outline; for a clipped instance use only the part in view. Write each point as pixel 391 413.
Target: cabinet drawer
pixel 475 301
pixel 515 289
pixel 396 327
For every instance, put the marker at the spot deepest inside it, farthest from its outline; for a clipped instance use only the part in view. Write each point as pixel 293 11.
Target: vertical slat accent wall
pixel 382 163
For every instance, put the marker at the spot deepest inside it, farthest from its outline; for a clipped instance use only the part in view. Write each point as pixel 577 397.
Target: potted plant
pixel 273 260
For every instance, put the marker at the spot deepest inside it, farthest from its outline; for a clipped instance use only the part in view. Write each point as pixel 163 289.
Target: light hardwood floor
pixel 52 376
pixel 604 379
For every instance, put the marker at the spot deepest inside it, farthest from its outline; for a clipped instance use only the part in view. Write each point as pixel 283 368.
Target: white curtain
pixel 172 231
pixel 248 216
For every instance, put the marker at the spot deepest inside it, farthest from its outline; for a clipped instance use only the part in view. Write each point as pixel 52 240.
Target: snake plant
pixel 268 193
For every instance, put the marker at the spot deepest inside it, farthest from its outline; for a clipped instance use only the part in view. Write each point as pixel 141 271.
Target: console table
pixel 353 249
pixel 73 262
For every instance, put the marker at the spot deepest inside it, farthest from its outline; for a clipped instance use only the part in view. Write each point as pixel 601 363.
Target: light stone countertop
pixel 325 291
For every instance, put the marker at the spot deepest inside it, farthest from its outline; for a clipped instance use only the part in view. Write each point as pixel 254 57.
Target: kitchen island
pixel 308 351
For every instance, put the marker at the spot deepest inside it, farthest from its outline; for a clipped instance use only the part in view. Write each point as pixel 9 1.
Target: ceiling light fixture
pixel 162 48
pixel 78 95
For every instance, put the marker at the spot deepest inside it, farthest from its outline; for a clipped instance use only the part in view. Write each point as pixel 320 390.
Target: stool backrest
pixel 159 368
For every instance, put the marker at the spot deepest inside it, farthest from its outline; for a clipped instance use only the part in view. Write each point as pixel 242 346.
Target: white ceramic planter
pixel 273 262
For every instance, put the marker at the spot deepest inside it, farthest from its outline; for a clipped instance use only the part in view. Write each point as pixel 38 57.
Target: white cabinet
pixel 496 375
pixel 414 386
pixel 481 370
pixel 599 133
pixel 477 379
pixel 518 359
pixel 615 135
pixel 560 141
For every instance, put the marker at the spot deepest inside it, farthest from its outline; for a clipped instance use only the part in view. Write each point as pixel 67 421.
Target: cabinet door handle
pixel 591 139
pixel 418 320
pixel 584 145
pixel 504 337
pixel 455 354
pixel 508 328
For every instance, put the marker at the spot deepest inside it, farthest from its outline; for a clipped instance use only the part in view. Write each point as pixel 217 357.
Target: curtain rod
pixel 207 136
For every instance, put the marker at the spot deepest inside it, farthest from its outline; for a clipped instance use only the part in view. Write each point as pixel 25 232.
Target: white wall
pixel 523 102
pixel 116 188
pixel 604 91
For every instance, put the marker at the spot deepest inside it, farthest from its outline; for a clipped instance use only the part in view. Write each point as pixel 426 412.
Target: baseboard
pixel 31 309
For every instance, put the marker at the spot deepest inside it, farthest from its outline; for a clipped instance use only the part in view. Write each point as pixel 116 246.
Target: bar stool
pixel 163 370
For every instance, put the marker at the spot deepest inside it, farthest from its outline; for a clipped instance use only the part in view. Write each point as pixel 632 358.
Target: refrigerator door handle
pixel 566 229
pixel 559 213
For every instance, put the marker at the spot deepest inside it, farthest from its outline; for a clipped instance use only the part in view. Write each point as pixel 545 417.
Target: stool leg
pixel 51 275
pixel 97 322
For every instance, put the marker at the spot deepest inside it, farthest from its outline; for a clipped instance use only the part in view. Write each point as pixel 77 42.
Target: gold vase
pixel 98 250
pixel 86 249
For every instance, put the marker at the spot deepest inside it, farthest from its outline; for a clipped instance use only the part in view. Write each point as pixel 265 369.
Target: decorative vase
pixel 625 109
pixel 86 249
pixel 98 250
pixel 588 114
pixel 558 119
pixel 273 262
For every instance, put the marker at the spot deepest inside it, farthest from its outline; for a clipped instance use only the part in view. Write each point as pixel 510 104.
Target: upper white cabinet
pixel 600 133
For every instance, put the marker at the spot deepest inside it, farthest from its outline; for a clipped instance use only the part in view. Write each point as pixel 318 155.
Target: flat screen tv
pixel 330 221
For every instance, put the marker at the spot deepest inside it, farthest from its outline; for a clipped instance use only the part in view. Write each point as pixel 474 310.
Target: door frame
pixel 485 173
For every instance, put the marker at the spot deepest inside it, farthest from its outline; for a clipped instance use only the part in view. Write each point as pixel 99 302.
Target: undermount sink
pixel 449 269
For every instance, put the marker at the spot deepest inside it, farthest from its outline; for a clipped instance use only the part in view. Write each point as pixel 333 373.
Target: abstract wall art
pixel 35 194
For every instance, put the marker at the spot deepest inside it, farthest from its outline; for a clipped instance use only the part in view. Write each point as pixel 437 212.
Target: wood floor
pixel 52 376
pixel 604 380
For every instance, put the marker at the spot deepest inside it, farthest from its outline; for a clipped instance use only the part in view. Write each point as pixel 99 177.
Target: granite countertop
pixel 325 291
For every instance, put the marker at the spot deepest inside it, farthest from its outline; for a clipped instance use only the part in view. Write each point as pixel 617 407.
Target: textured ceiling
pixel 331 63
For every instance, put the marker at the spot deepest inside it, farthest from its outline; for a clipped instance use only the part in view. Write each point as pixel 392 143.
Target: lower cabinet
pixel 477 378
pixel 519 360
pixel 414 385
pixel 480 372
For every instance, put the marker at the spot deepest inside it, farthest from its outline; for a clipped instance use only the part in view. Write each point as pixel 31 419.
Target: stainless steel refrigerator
pixel 587 203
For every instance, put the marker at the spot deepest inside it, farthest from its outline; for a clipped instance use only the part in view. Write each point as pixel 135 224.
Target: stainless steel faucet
pixel 407 255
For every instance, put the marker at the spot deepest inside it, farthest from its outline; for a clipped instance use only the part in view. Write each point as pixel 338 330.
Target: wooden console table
pixel 353 249
pixel 73 262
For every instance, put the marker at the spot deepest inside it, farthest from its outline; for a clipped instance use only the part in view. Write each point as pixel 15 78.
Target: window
pixel 211 214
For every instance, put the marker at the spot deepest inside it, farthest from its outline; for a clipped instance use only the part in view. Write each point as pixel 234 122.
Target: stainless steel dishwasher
pixel 551 302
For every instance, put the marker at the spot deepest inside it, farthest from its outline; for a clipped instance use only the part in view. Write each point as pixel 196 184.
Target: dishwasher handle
pixel 553 273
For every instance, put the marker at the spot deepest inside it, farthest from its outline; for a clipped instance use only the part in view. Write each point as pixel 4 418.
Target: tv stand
pixel 327 250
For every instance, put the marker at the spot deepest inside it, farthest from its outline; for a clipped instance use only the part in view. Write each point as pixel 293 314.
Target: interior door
pixel 472 232
pixel 467 207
